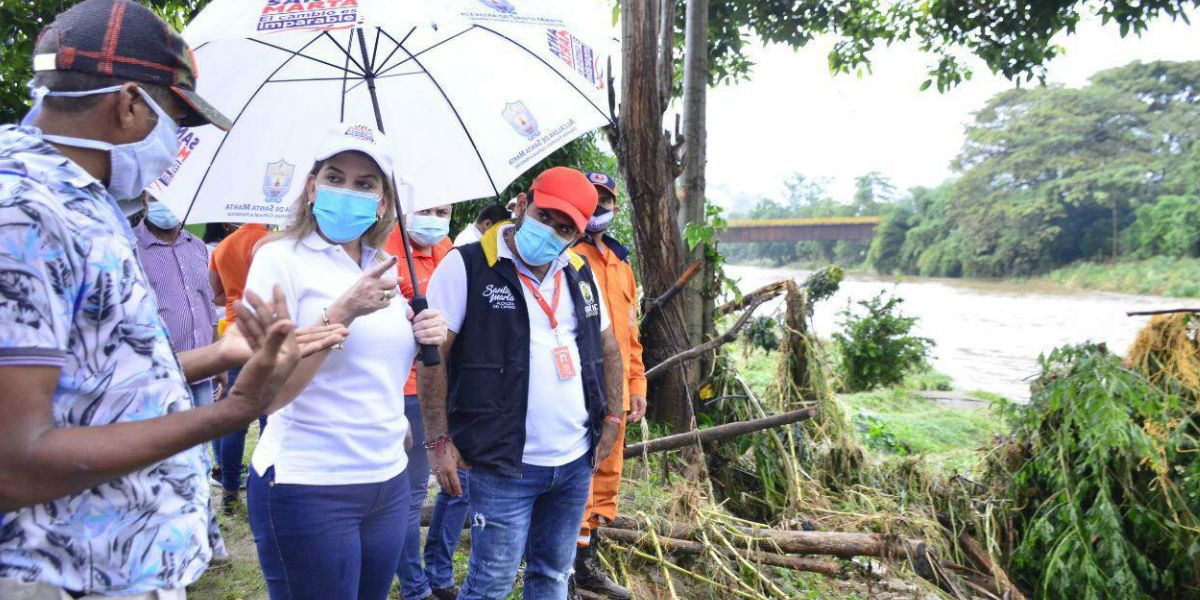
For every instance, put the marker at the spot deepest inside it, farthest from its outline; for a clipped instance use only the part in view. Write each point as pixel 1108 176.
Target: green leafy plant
pixel 877 347
pixel 762 333
pixel 1104 484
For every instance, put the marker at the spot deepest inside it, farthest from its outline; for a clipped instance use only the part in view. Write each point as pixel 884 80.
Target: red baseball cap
pixel 566 190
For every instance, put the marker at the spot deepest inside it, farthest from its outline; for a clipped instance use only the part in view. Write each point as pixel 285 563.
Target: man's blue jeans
pixel 445 529
pixel 321 542
pixel 445 526
pixel 540 510
pixel 413 583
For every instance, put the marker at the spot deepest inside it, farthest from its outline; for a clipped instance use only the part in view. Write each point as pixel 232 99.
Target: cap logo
pixel 598 178
pixel 361 132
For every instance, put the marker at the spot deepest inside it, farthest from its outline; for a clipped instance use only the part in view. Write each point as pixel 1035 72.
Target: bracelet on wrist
pixel 614 419
pixel 437 443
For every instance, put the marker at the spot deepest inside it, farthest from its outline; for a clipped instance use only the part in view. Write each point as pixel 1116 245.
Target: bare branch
pixel 716 342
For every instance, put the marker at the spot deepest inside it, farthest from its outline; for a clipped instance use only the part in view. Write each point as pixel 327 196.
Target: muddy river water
pixel 988 334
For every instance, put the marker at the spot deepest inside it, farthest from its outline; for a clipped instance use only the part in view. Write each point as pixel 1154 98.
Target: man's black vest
pixel 488 367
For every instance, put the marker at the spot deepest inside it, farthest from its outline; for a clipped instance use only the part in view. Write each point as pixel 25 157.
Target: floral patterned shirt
pixel 73 296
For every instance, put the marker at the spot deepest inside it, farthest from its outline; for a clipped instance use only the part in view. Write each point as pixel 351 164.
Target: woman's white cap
pixel 351 137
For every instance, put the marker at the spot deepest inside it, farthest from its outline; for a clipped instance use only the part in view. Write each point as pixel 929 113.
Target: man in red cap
pixel 530 396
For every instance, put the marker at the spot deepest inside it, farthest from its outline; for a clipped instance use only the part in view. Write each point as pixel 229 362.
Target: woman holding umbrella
pixel 328 488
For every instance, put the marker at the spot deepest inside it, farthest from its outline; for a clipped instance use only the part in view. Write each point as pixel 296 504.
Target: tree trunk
pixel 648 164
pixel 700 295
pixel 829 543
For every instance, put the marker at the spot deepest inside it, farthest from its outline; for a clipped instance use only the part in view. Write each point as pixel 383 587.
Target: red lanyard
pixel 548 308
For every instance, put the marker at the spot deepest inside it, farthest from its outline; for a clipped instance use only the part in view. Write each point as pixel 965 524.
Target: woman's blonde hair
pixel 302 222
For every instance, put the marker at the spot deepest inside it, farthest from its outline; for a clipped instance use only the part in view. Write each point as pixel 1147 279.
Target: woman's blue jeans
pixel 317 542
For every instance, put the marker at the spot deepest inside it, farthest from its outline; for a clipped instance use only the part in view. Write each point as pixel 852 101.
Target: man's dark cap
pixel 125 40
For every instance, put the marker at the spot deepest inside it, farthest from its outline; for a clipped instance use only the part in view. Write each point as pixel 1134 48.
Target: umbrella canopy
pixel 472 93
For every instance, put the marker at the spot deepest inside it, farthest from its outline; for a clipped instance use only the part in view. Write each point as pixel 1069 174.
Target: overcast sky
pixel 793 116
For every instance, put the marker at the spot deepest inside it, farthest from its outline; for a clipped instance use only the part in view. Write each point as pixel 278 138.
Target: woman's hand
pixel 429 327
pixel 373 291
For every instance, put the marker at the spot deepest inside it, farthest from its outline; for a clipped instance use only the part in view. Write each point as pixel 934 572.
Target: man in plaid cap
pixel 103 486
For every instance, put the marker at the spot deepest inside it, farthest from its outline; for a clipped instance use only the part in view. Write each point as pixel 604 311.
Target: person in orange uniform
pixel 610 266
pixel 427 232
pixel 227 269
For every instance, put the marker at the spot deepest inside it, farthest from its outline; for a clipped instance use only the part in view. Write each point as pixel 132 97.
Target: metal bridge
pixel 800 230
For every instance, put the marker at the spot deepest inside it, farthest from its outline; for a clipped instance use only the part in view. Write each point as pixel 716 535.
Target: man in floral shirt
pixel 102 486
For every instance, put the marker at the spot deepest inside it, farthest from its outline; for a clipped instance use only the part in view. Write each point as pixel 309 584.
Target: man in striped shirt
pixel 176 263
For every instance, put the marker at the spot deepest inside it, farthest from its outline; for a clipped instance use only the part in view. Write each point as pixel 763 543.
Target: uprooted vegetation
pixel 1090 490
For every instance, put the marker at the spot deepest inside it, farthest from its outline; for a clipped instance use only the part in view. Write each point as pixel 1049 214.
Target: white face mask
pixel 132 167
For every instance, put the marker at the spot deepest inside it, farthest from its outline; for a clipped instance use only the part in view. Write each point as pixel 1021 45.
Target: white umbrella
pixel 472 93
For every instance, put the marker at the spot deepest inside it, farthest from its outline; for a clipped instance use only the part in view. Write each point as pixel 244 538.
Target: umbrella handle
pixel 430 356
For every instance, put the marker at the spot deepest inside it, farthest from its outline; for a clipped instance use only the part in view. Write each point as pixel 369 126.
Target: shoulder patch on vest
pixel 591 307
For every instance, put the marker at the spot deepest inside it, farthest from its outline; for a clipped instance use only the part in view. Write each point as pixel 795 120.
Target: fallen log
pixel 720 432
pixel 1164 311
pixel 829 543
pixel 716 342
pixel 679 546
pixel 979 555
pixel 763 293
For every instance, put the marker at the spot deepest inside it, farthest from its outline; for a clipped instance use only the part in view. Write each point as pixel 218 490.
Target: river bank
pixel 1158 276
pixel 1163 276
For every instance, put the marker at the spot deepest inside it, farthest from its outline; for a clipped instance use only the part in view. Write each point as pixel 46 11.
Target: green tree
pixel 877 346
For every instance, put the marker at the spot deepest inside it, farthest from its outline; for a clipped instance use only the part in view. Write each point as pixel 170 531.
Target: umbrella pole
pixel 430 356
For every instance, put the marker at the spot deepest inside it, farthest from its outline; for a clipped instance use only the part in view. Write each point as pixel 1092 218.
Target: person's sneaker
pixel 443 594
pixel 590 576
pixel 219 560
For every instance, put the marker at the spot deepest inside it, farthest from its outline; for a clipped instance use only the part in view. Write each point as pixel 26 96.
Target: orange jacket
pixel 424 261
pixel 614 275
pixel 231 260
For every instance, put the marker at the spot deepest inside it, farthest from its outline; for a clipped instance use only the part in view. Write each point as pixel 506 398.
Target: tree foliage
pixel 1103 483
pixel 1014 39
pixel 1052 175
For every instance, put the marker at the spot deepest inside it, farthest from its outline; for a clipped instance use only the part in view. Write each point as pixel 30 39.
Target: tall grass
pixel 1159 276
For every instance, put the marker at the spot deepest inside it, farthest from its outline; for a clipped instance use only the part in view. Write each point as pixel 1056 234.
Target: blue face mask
pixel 344 215
pixel 132 167
pixel 160 216
pixel 537 242
pixel 427 230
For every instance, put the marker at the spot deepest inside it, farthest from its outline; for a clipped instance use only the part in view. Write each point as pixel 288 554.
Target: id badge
pixel 564 362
